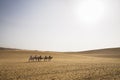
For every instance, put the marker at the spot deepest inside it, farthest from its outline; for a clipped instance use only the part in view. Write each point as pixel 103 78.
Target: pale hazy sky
pixel 60 25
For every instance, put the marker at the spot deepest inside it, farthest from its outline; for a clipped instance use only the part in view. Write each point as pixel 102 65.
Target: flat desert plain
pixel 88 65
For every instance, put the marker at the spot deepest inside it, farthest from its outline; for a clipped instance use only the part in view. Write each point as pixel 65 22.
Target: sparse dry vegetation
pixel 64 66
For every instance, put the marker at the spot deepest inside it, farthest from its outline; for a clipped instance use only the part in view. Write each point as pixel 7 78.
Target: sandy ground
pixel 14 65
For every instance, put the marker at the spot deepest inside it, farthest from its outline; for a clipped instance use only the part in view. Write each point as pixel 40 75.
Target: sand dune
pixel 101 64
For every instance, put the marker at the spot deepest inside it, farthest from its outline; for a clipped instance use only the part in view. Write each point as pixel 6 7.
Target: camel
pixel 39 58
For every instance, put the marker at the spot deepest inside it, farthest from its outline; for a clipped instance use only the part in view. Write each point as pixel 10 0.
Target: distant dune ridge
pixel 107 52
pixel 3 48
pixel 88 51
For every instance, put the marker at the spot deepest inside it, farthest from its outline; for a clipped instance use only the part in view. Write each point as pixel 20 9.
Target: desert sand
pixel 101 64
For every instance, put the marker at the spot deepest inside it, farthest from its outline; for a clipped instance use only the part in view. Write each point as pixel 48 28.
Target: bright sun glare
pixel 89 11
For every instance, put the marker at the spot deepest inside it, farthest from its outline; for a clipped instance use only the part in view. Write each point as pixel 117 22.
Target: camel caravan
pixel 40 58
